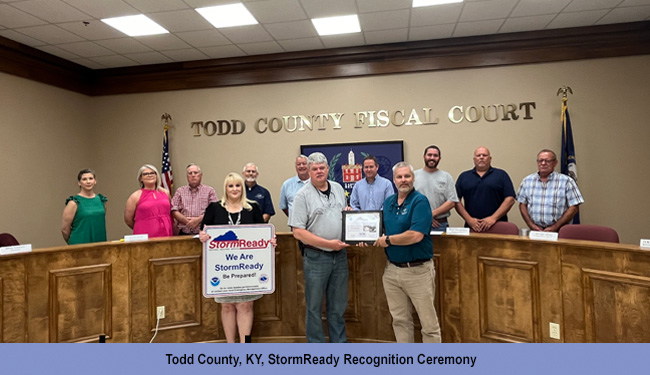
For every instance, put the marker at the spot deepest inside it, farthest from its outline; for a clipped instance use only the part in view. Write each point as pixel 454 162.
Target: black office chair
pixel 7 239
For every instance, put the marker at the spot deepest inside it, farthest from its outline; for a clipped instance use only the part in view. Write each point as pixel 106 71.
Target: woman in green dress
pixel 84 216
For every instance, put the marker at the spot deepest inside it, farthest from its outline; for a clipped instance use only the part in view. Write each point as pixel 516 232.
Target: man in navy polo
pixel 487 192
pixel 258 193
pixel 409 276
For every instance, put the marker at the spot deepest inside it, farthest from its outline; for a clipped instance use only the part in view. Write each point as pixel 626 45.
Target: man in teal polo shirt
pixel 409 274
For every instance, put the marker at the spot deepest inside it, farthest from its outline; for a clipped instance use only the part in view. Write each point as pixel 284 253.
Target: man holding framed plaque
pixel 316 221
pixel 409 274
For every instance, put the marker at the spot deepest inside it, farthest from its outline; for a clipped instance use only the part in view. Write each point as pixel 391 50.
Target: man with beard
pixel 316 221
pixel 257 192
pixel 291 186
pixel 409 276
pixel 487 192
pixel 438 186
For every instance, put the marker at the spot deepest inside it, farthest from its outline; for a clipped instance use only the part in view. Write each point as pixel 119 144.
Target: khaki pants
pixel 416 286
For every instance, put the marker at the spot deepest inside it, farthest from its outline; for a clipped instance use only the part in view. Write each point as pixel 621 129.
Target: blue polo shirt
pixel 262 197
pixel 483 195
pixel 413 214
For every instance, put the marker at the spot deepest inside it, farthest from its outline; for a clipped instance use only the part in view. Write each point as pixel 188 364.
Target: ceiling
pixel 58 26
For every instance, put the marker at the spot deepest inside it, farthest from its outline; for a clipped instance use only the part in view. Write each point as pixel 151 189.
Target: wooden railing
pixel 490 288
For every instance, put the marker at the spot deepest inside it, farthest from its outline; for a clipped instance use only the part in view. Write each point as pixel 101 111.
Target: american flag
pixel 167 177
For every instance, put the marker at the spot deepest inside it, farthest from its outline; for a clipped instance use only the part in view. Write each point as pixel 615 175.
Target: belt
pixel 314 248
pixel 441 220
pixel 414 263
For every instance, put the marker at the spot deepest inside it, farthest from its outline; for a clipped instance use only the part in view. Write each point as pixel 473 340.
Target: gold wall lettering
pixel 370 119
pixel 458 113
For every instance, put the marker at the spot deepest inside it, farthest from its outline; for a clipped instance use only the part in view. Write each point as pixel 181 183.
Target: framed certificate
pixel 362 226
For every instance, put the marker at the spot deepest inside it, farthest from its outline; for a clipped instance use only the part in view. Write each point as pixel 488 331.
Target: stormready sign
pixel 238 260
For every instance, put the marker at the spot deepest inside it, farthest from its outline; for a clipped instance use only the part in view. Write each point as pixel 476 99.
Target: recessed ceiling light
pixel 426 3
pixel 135 25
pixel 337 25
pixel 228 15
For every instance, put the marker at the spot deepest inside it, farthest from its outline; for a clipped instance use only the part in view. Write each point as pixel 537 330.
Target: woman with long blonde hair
pixel 234 209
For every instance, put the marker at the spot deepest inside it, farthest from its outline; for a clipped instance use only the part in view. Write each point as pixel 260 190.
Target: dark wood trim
pixel 27 62
pixel 432 55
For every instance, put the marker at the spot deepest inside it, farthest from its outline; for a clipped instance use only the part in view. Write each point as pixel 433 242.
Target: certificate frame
pixel 362 226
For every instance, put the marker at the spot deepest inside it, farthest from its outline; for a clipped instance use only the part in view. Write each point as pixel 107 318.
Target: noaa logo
pixel 264 279
pixel 215 281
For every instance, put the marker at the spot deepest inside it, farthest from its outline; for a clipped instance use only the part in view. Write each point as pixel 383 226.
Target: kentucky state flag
pixel 568 157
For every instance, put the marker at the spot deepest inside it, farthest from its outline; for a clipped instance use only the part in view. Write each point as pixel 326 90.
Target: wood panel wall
pixel 489 289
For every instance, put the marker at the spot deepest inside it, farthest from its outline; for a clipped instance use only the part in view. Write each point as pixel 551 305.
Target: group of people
pixel 314 205
pixel 422 204
pixel 151 210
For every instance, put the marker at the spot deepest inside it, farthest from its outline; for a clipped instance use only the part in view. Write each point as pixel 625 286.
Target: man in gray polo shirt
pixel 438 186
pixel 316 221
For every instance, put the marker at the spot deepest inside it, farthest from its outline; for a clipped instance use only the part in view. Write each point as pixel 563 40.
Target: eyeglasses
pixel 547 161
pixel 145 174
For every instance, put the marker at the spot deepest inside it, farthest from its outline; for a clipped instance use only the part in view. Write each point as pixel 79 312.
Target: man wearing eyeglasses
pixel 409 276
pixel 190 201
pixel 316 220
pixel 547 199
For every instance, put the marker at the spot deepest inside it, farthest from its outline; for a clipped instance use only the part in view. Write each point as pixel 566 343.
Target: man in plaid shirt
pixel 547 199
pixel 190 201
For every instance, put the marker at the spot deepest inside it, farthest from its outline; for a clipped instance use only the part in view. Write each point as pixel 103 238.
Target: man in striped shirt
pixel 190 201
pixel 547 199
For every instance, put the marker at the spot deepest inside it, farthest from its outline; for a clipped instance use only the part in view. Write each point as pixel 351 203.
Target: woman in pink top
pixel 148 210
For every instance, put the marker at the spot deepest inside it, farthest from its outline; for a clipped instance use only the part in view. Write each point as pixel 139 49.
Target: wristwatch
pixel 388 240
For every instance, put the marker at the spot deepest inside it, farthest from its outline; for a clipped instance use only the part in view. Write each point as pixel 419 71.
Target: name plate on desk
pixel 543 236
pixel 458 231
pixel 15 249
pixel 136 237
pixel 645 244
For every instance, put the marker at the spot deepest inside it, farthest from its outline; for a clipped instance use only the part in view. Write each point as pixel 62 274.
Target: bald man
pixel 487 193
pixel 257 192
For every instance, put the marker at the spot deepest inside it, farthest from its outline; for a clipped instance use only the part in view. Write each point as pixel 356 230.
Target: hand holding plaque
pixel 362 226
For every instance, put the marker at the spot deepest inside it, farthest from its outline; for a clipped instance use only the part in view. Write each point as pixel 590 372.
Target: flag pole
pixel 166 171
pixel 568 154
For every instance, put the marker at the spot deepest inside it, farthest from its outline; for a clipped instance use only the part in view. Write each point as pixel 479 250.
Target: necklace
pixel 230 221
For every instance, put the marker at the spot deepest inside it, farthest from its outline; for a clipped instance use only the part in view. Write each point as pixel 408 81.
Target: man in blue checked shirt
pixel 547 199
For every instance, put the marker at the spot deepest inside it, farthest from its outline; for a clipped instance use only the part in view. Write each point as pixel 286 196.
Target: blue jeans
pixel 326 274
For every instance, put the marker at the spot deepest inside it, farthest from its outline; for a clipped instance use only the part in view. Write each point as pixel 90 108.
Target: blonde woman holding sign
pixel 234 209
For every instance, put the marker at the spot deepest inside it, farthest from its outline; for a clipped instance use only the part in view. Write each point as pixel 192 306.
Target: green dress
pixel 89 223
